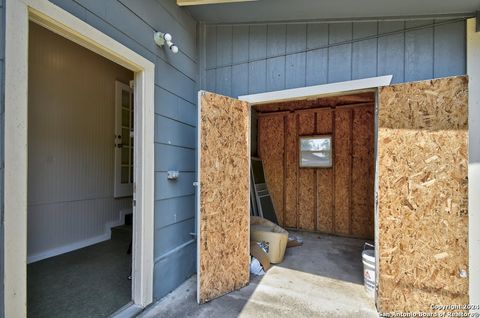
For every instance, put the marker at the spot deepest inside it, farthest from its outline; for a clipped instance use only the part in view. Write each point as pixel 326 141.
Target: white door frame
pixel 18 14
pixel 473 71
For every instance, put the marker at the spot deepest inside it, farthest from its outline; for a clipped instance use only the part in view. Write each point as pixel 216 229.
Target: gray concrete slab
pixel 322 278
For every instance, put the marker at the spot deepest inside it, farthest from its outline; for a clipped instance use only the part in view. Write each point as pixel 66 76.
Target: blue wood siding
pixel 133 23
pixel 247 59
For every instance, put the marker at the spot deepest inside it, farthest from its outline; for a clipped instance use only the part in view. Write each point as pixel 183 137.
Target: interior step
pixel 122 232
pixel 129 219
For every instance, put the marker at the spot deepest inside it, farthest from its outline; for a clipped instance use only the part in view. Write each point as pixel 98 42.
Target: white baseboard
pixel 83 243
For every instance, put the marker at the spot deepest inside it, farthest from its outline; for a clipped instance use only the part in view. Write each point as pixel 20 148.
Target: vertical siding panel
pixel 296 38
pixel 342 170
pixel 240 80
pixel 211 76
pixel 276 34
pixel 418 52
pixel 391 54
pixel 224 46
pixel 257 42
pixel 276 73
pixel 340 56
pixel 306 178
pixel 317 35
pixel 240 44
pixel 291 170
pixel 364 59
pixel 449 49
pixel 257 72
pixel 295 70
pixel 211 48
pixel 224 81
pixel 317 67
pixel 325 186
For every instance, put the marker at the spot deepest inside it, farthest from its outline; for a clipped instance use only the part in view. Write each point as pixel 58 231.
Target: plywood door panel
pixel 422 195
pixel 342 162
pixel 291 170
pixel 306 178
pixel 271 142
pixel 325 189
pixel 362 172
pixel 224 213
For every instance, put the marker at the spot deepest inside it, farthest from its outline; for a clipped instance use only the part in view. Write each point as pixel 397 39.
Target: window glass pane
pixel 126 99
pixel 126 136
pixel 125 155
pixel 316 151
pixel 124 175
pixel 316 159
pixel 315 143
pixel 125 118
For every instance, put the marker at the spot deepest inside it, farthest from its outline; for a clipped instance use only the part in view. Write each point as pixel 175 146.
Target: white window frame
pixel 18 14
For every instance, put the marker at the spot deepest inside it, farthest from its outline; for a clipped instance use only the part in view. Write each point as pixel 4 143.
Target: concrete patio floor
pixel 322 278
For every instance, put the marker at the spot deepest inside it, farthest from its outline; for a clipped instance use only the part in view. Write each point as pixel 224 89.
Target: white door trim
pixel 18 14
pixel 473 71
pixel 352 87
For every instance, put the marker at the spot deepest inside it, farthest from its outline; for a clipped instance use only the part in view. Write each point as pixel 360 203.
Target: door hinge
pixel 131 84
pixel 134 203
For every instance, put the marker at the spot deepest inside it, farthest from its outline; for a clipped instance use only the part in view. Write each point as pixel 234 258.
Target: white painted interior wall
pixel 71 154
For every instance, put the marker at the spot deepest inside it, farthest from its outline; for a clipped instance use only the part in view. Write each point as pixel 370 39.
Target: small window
pixel 316 151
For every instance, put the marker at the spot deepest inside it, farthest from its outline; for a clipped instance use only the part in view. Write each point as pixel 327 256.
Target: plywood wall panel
pixel 306 178
pixel 224 196
pixel 362 172
pixel 271 150
pixel 325 189
pixel 291 170
pixel 422 148
pixel 342 162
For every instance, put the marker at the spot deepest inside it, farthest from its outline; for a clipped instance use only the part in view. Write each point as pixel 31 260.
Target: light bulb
pixel 174 49
pixel 167 37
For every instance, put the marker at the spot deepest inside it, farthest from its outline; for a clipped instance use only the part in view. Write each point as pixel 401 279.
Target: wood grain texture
pixel 306 178
pixel 224 196
pixel 363 172
pixel 324 180
pixel 291 171
pixel 422 206
pixel 271 142
pixel 342 162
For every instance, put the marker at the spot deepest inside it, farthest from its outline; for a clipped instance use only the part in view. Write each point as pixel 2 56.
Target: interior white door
pixel 123 140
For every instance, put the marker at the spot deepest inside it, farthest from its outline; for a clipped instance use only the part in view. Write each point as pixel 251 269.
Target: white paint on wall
pixel 473 71
pixel 71 145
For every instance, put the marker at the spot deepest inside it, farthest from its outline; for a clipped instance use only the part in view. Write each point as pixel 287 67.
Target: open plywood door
pixel 422 195
pixel 223 196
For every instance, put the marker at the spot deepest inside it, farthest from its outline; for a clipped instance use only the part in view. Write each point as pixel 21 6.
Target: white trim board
pixel 473 71
pixel 18 13
pixel 348 87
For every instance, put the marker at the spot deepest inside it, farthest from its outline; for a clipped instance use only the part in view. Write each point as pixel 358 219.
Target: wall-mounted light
pixel 161 39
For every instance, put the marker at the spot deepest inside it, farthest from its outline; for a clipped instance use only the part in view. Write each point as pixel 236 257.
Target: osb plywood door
pixel 224 215
pixel 422 195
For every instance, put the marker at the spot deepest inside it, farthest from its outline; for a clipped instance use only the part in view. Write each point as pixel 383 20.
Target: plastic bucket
pixel 368 257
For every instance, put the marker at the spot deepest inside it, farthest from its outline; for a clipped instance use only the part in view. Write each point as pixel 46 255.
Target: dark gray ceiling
pixel 294 10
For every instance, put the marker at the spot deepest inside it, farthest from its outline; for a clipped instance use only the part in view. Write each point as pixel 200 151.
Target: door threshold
pixel 128 311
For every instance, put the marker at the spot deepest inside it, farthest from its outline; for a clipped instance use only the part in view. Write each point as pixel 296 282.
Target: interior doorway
pixel 80 176
pixel 53 18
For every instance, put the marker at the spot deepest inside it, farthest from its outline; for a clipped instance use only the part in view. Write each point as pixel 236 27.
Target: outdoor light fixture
pixel 161 39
